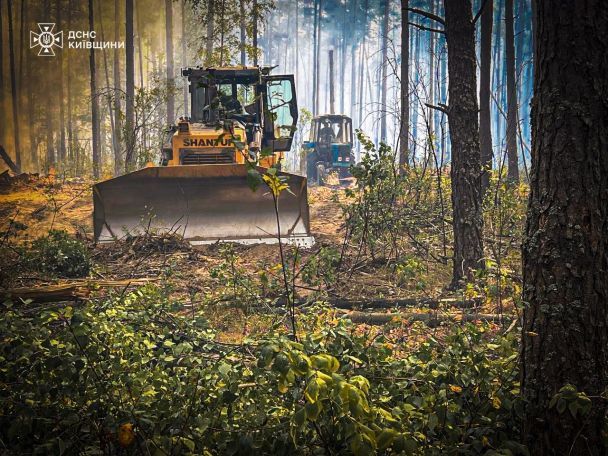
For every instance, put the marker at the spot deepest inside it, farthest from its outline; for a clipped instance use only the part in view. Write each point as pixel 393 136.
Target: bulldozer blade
pixel 202 203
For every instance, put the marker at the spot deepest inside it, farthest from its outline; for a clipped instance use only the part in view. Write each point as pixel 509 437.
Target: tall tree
pixel 2 124
pixel 61 150
pixel 512 117
pixel 383 108
pixel 485 91
pixel 243 27
pixel 405 86
pixel 464 134
pixel 210 31
pixel 117 94
pixel 130 86
pixel 565 254
pixel 255 14
pixel 14 97
pixel 170 66
pixel 96 140
pixel 184 55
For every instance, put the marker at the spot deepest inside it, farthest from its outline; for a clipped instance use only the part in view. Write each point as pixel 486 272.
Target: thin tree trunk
pixel 464 133
pixel 139 31
pixel 170 66
pixel 62 146
pixel 210 32
pixel 405 87
pixel 565 254
pixel 116 139
pixel 331 82
pixel 184 57
pixel 96 140
pixel 70 124
pixel 512 117
pixel 108 94
pixel 255 32
pixel 243 27
pixel 383 89
pixel 2 99
pixel 130 85
pixel 485 90
pixel 14 97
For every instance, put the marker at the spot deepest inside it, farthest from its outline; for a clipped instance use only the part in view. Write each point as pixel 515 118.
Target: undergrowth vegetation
pixel 139 373
pixel 145 372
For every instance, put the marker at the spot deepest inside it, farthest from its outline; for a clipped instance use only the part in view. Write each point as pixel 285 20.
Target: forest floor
pixel 31 206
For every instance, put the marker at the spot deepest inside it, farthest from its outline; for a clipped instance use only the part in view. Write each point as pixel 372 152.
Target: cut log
pixel 70 291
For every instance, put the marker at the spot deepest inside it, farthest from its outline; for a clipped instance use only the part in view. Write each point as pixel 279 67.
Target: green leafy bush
pixel 139 374
pixel 57 254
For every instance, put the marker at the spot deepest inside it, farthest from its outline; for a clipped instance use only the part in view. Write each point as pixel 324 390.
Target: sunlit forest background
pixel 51 96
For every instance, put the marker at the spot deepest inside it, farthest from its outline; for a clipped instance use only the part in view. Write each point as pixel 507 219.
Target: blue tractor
pixel 330 148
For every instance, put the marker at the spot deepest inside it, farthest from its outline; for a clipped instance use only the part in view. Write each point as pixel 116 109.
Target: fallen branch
pixel 341 303
pixel 70 291
pixel 10 163
pixel 430 319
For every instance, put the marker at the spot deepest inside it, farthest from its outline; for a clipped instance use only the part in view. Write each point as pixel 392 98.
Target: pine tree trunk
pixel 96 140
pixel 61 150
pixel 70 124
pixel 14 97
pixel 170 66
pixel 383 135
pixel 565 254
pixel 512 118
pixel 184 56
pixel 485 90
pixel 464 134
pixel 405 87
pixel 254 38
pixel 2 100
pixel 243 31
pixel 210 32
pixel 130 86
pixel 116 140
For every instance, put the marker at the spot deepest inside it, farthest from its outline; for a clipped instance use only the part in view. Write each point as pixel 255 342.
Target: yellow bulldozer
pixel 242 119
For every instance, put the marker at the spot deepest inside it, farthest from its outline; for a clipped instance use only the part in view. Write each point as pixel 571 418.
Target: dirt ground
pixel 30 206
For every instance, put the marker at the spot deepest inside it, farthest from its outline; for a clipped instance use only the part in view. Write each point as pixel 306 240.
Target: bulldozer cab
pixel 249 95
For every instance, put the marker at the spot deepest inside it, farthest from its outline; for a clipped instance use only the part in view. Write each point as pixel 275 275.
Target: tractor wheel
pixel 321 174
pixel 311 167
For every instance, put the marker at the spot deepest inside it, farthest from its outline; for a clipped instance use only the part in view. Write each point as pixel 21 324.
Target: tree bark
pixel 96 140
pixel 170 66
pixel 130 86
pixel 405 87
pixel 243 27
pixel 464 133
pixel 331 81
pixel 14 97
pixel 485 90
pixel 61 150
pixel 116 140
pixel 184 56
pixel 210 32
pixel 255 32
pixel 565 253
pixel 512 118
pixel 2 124
pixel 385 19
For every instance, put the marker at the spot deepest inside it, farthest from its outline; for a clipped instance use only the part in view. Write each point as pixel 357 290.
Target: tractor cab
pixel 330 147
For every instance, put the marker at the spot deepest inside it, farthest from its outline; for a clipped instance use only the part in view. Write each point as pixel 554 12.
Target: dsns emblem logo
pixel 46 39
